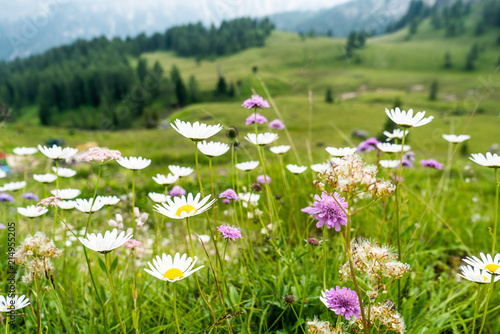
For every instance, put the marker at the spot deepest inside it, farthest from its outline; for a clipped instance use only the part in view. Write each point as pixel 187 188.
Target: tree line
pixel 90 76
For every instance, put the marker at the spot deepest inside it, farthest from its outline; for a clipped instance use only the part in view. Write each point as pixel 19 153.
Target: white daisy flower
pixel 181 171
pixel 134 163
pixel 32 211
pixel 25 150
pixel 247 166
pixel 13 186
pixel 321 168
pixel 406 119
pixel 2 174
pixel 456 139
pixel 167 269
pixel 87 206
pixel 66 205
pixel 11 304
pixel 396 134
pixel 294 169
pixel 249 198
pixel 45 178
pixel 158 198
pixel 490 160
pixel 341 152
pixel 108 200
pixel 389 163
pixel 486 262
pixel 57 152
pixel 64 172
pixel 262 138
pixel 475 274
pixel 166 180
pixel 213 149
pixel 195 131
pixel 282 149
pixel 108 242
pixel 181 207
pixel 66 193
pixel 392 148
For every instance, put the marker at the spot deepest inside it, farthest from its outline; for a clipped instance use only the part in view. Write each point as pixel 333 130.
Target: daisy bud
pixel 232 133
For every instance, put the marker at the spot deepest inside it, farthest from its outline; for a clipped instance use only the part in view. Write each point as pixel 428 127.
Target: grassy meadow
pixel 443 215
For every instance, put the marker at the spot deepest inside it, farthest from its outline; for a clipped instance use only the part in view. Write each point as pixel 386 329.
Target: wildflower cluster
pixel 317 326
pixel 375 261
pixel 384 318
pixel 35 254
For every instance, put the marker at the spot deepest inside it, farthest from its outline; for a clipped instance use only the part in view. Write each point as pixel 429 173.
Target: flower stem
pixel 89 229
pixel 476 307
pixel 57 190
pixel 7 320
pixel 490 292
pixel 113 293
pixel 495 220
pixel 198 167
pixel 325 233
pixel 134 224
pixel 175 310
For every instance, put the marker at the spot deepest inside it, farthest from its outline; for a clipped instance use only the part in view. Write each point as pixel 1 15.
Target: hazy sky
pixel 13 10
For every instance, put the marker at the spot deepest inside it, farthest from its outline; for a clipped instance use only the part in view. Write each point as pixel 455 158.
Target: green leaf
pixel 114 264
pixel 102 265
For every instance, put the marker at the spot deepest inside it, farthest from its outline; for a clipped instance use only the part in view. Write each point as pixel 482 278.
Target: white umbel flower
pixel 389 163
pixel 392 148
pixel 134 163
pixel 11 304
pixel 87 205
pixel 490 160
pixel 341 152
pixel 25 150
pixel 406 119
pixel 172 270
pixel 396 134
pixel 57 152
pixel 158 198
pixel 32 211
pixel 213 149
pixel 321 168
pixel 108 242
pixel 183 207
pixel 282 149
pixel 475 274
pixel 294 169
pixel 166 180
pixel 486 262
pixel 13 186
pixel 45 178
pixel 456 139
pixel 180 171
pixel 196 131
pixel 108 200
pixel 66 193
pixel 2 174
pixel 247 166
pixel 262 138
pixel 66 205
pixel 249 198
pixel 64 172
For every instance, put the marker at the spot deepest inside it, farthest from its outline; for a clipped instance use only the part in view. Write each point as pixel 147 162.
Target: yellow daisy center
pixel 173 273
pixel 492 267
pixel 484 278
pixel 185 208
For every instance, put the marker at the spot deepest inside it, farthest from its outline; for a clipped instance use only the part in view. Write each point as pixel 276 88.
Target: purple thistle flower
pixel 229 232
pixel 229 194
pixel 396 178
pixel 177 191
pixel 368 145
pixel 255 101
pixel 226 201
pixel 31 196
pixel 342 301
pixel 277 124
pixel 255 117
pixel 2 226
pixel 326 210
pixel 407 163
pixel 261 179
pixel 4 197
pixel 431 163
pixel 409 156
